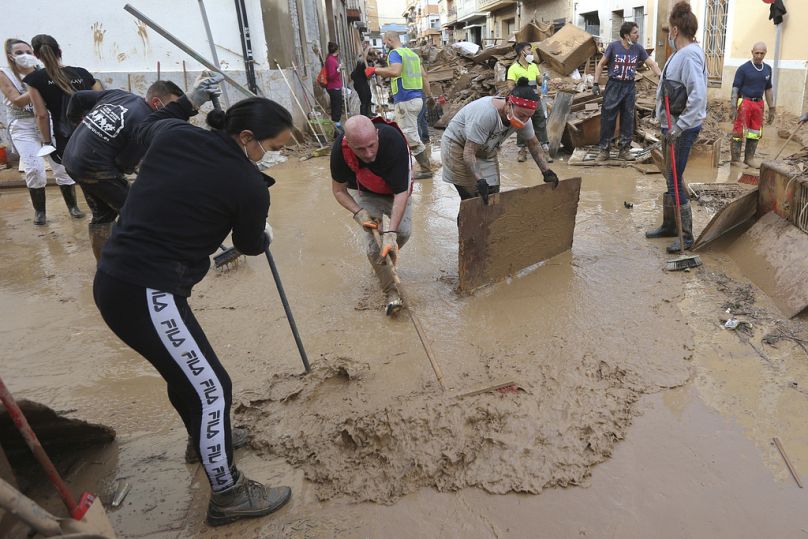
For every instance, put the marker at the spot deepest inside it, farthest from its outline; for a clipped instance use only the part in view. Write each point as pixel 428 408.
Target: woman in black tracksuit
pixel 193 188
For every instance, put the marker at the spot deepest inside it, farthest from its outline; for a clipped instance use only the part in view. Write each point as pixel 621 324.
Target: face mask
pixel 515 122
pixel 671 41
pixel 263 155
pixel 529 58
pixel 26 60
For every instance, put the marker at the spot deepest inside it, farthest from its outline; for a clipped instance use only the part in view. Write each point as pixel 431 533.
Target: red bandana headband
pixel 524 103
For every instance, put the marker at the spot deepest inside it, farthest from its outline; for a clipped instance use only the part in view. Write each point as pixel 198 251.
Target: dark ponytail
pixel 523 90
pixel 264 117
pixel 47 49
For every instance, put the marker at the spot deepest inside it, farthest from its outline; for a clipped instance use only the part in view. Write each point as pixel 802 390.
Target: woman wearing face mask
pixel 472 139
pixel 22 128
pixel 685 73
pixel 524 67
pixel 194 188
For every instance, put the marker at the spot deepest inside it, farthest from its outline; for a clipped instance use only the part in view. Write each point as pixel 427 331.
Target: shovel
pixel 88 509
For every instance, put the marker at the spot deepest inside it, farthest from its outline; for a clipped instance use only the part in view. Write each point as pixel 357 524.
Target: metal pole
pixel 294 96
pixel 776 67
pixel 213 48
pixel 287 310
pixel 183 47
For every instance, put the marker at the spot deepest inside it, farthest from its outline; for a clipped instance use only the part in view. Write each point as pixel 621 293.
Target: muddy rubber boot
pixel 245 499
pixel 735 151
pixel 433 165
pixel 749 154
pixel 238 437
pixel 625 154
pixel 69 194
pixel 522 155
pixel 99 234
pixel 687 230
pixel 38 201
pixel 426 170
pixel 668 228
pixel 387 280
pixel 603 155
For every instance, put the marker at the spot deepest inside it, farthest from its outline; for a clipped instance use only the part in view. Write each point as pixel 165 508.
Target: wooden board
pixel 519 228
pixel 728 218
pixel 774 255
pixel 558 120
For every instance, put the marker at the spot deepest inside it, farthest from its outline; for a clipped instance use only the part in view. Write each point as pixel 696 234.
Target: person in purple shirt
pixel 334 87
pixel 622 57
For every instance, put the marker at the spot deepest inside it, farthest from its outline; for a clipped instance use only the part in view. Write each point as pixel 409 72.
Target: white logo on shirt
pixel 106 121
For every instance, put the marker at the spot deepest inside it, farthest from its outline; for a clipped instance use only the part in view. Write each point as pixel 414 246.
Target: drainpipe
pixel 776 67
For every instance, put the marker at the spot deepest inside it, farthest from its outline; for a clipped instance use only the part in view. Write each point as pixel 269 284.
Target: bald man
pixel 372 159
pixel 752 81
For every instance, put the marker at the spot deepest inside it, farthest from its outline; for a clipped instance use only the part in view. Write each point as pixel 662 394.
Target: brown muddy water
pixel 639 415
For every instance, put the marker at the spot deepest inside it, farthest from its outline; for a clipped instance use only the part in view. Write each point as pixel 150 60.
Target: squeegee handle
pixel 288 310
pixel 30 438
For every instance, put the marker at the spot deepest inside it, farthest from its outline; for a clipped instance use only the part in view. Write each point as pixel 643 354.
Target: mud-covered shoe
pixel 522 155
pixel 245 499
pixel 603 155
pixel 625 154
pixel 393 304
pixel 239 438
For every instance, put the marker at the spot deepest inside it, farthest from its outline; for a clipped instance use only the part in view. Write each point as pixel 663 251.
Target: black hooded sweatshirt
pixel 193 188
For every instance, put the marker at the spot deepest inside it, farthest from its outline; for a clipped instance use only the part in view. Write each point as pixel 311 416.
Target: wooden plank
pixel 774 255
pixel 558 120
pixel 728 218
pixel 525 226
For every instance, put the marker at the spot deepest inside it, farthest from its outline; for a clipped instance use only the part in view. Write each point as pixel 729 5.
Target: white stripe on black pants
pixel 162 328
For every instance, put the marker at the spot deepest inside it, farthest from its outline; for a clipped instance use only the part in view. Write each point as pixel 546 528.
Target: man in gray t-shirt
pixel 472 140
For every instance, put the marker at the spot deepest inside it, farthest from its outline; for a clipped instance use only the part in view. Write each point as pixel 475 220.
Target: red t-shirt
pixel 332 70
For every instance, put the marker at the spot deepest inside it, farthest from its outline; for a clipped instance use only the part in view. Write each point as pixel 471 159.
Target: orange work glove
pixel 364 219
pixel 370 71
pixel 390 245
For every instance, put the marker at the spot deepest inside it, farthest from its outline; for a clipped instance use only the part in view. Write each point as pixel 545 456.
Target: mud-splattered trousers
pixel 619 96
pixel 682 149
pixel 27 141
pixel 376 206
pixel 161 327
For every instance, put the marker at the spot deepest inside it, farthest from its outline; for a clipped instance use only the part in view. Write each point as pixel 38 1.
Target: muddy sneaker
pixel 625 154
pixel 522 155
pixel 239 438
pixel 394 304
pixel 603 155
pixel 245 499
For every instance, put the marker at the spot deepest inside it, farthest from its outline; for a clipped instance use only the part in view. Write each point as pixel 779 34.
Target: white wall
pixel 605 9
pixel 101 37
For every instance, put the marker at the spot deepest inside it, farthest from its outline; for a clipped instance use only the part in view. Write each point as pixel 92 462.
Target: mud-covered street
pixel 638 414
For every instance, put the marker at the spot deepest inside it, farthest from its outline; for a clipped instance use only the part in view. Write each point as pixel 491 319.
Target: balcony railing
pixel 488 5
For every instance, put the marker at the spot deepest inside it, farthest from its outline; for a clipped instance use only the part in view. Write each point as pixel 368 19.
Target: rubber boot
pixel 735 151
pixel 546 147
pixel 99 234
pixel 749 154
pixel 238 438
pixel 687 230
pixel 625 154
pixel 384 272
pixel 522 155
pixel 426 170
pixel 245 499
pixel 603 155
pixel 668 228
pixel 69 194
pixel 38 200
pixel 434 165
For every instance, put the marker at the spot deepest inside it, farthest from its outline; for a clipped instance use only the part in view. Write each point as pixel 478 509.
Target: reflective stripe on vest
pixel 410 78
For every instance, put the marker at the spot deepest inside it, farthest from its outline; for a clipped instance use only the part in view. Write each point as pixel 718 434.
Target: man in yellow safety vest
pixel 409 85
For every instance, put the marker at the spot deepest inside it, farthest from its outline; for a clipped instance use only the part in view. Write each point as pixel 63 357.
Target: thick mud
pixel 597 339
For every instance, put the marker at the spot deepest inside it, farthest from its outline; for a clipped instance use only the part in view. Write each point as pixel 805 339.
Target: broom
pixel 683 262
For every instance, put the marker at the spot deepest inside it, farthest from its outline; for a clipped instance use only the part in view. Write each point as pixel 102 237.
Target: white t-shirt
pixel 480 122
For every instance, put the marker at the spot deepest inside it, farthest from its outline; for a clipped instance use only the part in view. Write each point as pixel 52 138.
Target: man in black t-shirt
pixel 103 148
pixel 373 158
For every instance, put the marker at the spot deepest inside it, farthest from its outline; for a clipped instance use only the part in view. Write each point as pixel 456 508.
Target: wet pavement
pixel 642 416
